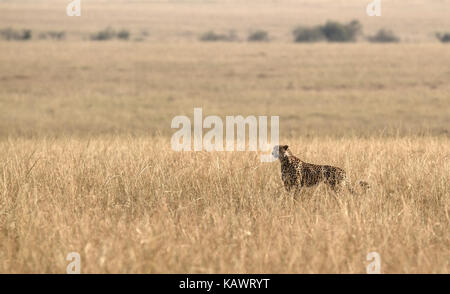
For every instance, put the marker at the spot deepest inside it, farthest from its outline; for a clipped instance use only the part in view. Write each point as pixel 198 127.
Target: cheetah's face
pixel 279 150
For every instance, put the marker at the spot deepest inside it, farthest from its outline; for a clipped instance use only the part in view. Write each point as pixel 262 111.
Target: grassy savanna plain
pixel 86 163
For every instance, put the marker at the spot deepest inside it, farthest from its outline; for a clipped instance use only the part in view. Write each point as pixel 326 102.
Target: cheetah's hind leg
pixel 297 193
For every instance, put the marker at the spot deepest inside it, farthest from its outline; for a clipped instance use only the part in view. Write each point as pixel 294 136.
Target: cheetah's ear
pixel 285 147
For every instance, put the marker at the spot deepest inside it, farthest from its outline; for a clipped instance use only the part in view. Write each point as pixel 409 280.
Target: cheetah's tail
pixel 363 184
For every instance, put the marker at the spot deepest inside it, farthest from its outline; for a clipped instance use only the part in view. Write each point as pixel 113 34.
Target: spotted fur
pixel 296 173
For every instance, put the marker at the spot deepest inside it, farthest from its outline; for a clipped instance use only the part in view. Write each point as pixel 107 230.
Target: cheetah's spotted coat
pixel 296 173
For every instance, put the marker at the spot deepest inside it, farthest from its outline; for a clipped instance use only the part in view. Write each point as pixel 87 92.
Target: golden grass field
pixel 86 163
pixel 131 205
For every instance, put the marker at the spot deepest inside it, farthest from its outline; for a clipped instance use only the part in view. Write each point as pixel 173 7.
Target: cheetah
pixel 296 173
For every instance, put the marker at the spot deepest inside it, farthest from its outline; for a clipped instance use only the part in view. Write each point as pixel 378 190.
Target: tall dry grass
pixel 86 165
pixel 131 205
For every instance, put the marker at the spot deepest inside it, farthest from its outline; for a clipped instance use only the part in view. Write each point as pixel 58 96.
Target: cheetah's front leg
pixel 287 187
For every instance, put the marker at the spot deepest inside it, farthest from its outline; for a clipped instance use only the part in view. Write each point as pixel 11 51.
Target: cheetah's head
pixel 280 151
